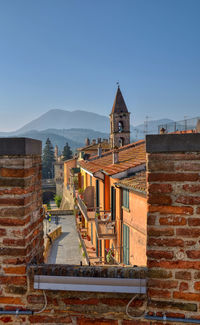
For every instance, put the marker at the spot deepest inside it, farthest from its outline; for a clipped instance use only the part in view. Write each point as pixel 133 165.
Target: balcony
pixel 105 226
pixel 88 213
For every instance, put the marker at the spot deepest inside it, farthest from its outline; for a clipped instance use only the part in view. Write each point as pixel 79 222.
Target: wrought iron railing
pixel 82 207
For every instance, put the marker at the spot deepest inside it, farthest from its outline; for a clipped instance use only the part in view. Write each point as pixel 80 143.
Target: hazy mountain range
pixel 73 127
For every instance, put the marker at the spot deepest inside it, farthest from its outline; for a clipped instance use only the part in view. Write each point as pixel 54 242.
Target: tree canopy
pixel 67 153
pixel 48 160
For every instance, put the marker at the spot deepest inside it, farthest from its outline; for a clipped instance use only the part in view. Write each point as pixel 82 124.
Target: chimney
pixel 115 156
pixel 93 141
pixel 162 131
pixel 99 150
pixel 87 141
pixel 99 140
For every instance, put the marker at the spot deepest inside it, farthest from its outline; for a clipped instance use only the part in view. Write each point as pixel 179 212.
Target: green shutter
pixel 126 235
pixel 100 248
pixel 97 246
pixel 113 203
pixel 97 193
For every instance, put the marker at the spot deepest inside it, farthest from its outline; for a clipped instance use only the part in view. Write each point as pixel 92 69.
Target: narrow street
pixel 66 249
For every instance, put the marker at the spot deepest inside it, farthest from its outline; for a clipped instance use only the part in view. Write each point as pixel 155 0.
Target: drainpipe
pixel 16 312
pixel 173 319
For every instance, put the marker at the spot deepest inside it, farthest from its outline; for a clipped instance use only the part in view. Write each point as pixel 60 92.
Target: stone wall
pixel 21 217
pixel 173 249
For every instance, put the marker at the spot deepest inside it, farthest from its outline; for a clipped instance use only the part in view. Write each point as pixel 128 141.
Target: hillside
pixel 55 139
pixel 60 119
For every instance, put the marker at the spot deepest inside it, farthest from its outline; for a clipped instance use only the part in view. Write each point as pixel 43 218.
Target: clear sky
pixel 69 54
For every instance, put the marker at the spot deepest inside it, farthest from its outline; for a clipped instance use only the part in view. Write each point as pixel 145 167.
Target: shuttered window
pixel 126 239
pixel 97 193
pixel 113 203
pixel 126 198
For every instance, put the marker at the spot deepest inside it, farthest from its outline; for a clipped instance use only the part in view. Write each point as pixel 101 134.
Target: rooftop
pixel 135 183
pixel 104 145
pixel 129 156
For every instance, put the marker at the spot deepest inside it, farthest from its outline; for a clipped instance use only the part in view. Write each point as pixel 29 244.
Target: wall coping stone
pixel 173 143
pixel 89 271
pixel 20 146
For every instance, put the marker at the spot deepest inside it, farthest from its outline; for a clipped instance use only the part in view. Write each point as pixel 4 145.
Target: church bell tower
pixel 119 122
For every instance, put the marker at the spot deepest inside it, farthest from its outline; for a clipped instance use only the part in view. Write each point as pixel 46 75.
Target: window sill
pixel 126 209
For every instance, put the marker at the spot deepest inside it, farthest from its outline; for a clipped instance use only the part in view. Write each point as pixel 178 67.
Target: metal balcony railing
pixel 88 213
pixel 184 125
pixel 105 226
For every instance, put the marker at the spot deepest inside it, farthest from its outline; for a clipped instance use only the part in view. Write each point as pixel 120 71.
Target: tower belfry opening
pixel 119 122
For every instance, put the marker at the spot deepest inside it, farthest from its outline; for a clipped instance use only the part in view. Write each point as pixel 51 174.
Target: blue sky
pixel 69 54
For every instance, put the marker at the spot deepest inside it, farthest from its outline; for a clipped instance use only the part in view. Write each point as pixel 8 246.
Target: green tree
pixel 58 199
pixel 48 160
pixel 67 153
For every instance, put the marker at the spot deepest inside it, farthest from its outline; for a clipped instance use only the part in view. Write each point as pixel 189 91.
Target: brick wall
pixel 21 230
pixel 173 248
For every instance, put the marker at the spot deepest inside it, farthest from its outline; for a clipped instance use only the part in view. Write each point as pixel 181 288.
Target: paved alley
pixel 65 249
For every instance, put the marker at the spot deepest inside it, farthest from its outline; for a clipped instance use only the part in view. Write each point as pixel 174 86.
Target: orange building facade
pixel 116 231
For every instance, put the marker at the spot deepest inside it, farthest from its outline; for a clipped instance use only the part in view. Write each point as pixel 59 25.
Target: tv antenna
pixel 146 124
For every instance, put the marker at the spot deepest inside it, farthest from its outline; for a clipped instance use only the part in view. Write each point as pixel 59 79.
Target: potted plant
pixel 109 256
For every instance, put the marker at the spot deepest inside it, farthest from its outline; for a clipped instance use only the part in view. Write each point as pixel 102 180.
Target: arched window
pixel 121 142
pixel 120 126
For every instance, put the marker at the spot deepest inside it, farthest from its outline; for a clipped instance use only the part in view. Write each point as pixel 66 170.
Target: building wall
pixel 136 219
pixel 68 164
pixel 59 177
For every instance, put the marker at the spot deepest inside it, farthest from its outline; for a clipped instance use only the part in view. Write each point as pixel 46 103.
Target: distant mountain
pixel 55 139
pixel 64 126
pixel 60 119
pixel 74 137
pixel 79 135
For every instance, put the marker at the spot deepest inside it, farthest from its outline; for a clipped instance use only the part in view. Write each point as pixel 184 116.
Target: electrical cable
pixel 45 304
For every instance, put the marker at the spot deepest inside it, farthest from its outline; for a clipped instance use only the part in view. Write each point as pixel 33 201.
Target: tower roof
pixel 119 105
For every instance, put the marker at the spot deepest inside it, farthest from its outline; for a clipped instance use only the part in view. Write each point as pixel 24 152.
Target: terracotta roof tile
pixel 136 182
pixel 131 156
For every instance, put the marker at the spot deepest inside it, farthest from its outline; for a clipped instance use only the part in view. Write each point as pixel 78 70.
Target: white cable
pixel 127 306
pixel 45 304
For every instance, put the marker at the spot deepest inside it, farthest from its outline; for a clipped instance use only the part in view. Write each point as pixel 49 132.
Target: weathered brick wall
pixel 173 249
pixel 21 230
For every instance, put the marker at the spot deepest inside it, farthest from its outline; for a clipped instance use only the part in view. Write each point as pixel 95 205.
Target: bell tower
pixel 119 122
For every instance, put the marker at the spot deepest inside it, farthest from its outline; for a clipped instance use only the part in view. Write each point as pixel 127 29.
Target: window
pixel 126 198
pixel 90 180
pixel 126 234
pixel 113 203
pixel 120 126
pixel 121 142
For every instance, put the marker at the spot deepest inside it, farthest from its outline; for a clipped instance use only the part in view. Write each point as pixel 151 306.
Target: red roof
pixel 129 156
pixel 136 182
